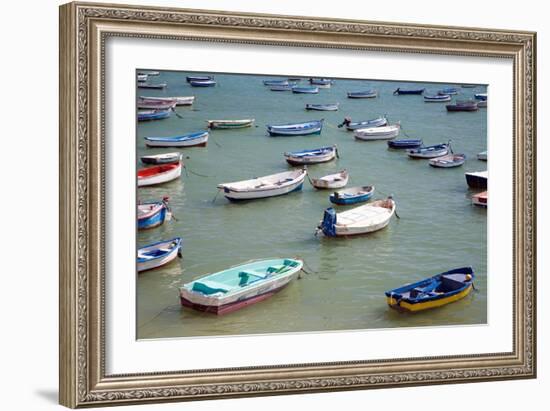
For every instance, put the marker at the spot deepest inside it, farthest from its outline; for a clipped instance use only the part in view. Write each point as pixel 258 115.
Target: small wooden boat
pixel 352 195
pixel 377 133
pixel 276 83
pixel 448 161
pixel 436 150
pixel 156 159
pixel 480 199
pixel 152 86
pixel 477 179
pixel 199 138
pixel 321 82
pixel 482 156
pixel 262 187
pixel 482 104
pixel 180 100
pixel 158 174
pixel 400 91
pixel 237 287
pixel 305 90
pixel 437 98
pixel 404 143
pixel 480 96
pixel 464 105
pixel 359 220
pixel 149 73
pixel 202 83
pixel 313 156
pixel 363 94
pixel 337 180
pixel 433 292
pixel 322 107
pixel 376 122
pixel 153 214
pixel 230 124
pixel 158 254
pixel 296 129
pixel 148 115
pixel 449 91
pixel 142 77
pixel 281 88
pixel 199 78
pixel 156 105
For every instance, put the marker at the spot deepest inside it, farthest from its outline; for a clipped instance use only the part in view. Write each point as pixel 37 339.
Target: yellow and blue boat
pixel 433 292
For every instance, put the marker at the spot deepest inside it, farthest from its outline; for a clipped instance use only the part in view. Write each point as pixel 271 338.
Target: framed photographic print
pixel 259 204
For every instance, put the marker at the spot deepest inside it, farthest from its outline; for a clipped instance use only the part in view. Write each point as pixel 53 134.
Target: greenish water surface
pixel 438 230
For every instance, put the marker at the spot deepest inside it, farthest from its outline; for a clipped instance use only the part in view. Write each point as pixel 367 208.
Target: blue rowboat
pixel 436 150
pixel 405 143
pixel 287 87
pixel 322 107
pixel 202 83
pixel 433 292
pixel 352 195
pixel 199 78
pixel 437 98
pixel 376 122
pixel 450 91
pixel 363 94
pixel 153 214
pixel 305 90
pixel 481 96
pixel 158 254
pixel 237 287
pixel 147 115
pixel 296 129
pixel 400 91
pixel 199 138
pixel 312 156
pixel 276 83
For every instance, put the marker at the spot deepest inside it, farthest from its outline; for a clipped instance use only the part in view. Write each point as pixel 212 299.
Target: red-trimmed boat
pixel 159 174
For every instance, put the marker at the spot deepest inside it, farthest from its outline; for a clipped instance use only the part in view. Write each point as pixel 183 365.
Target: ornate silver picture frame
pixel 84 30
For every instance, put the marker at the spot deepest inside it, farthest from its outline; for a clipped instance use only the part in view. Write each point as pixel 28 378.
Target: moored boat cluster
pixel 234 288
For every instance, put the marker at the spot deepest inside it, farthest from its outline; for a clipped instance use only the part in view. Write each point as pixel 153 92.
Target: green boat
pixel 237 287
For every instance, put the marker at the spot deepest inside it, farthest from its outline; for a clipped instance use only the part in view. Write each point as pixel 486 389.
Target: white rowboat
pixel 337 180
pixel 378 133
pixel 359 220
pixel 180 100
pixel 263 187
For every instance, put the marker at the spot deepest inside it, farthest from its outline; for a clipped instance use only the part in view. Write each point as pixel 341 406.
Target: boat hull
pixel 160 261
pixel 350 200
pixel 322 107
pixel 215 124
pixel 444 162
pixel 314 159
pixel 405 306
pixel 161 177
pixel 159 160
pixel 329 183
pixel 476 181
pixel 404 144
pixel 480 199
pixel 222 292
pixel 200 141
pixel 230 307
pixel 420 153
pixel 376 133
pixel 235 194
pixel 153 220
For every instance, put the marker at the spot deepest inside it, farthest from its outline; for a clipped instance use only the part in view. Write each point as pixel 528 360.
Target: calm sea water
pixel 438 230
